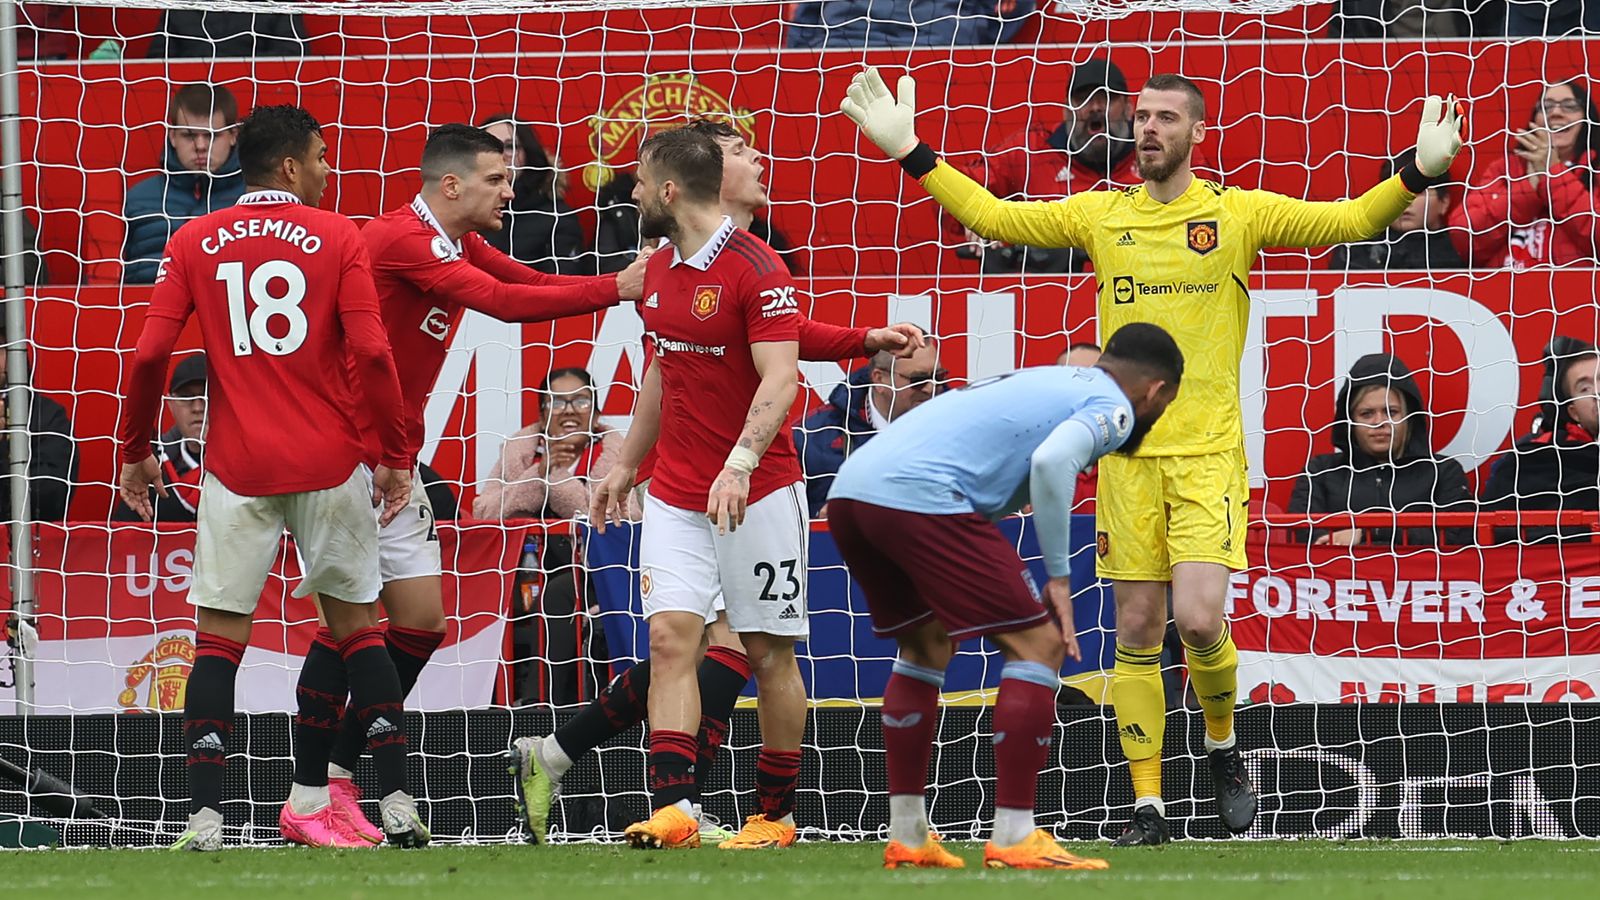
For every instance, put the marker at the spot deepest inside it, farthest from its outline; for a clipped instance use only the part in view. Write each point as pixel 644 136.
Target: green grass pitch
pixel 1192 870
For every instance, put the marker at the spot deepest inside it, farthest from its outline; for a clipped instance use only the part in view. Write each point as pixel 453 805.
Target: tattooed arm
pixel 776 362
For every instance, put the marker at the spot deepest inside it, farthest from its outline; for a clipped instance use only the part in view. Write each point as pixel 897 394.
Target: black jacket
pixel 207 34
pixel 180 474
pixel 1349 480
pixel 539 230
pixel 1423 250
pixel 52 463
pixel 1551 470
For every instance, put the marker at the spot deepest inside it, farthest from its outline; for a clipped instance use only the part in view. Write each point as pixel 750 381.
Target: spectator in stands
pixel 1535 204
pixel 1088 150
pixel 200 174
pixel 1381 460
pixel 1082 354
pixel 544 472
pixel 180 449
pixel 842 24
pixel 1400 19
pixel 208 34
pixel 1558 466
pixel 1551 18
pixel 874 395
pixel 1417 240
pixel 541 230
pixel 52 460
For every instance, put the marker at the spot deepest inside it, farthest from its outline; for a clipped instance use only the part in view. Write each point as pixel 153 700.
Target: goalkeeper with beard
pixel 1174 251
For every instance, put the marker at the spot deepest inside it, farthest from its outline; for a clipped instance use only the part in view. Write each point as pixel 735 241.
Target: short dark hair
pixel 1148 347
pixel 271 134
pixel 688 157
pixel 454 150
pixel 204 100
pixel 540 174
pixel 577 372
pixel 1173 82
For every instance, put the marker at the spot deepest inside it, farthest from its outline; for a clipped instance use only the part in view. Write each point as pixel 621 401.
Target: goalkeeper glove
pixel 1439 137
pixel 884 120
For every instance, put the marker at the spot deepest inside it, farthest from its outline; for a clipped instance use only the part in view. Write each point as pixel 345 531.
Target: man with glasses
pixel 199 174
pixel 875 395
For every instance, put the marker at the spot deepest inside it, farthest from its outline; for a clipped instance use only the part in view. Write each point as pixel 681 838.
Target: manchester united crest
pixel 1203 237
pixel 166 669
pixel 1102 544
pixel 706 298
pixel 646 582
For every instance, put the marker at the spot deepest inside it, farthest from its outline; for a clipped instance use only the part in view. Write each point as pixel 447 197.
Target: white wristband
pixel 742 460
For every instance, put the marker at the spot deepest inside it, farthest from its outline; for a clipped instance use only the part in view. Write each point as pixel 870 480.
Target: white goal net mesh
pixel 1408 684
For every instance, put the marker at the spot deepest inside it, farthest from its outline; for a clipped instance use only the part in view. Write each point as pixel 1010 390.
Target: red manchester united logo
pixel 705 301
pixel 1202 237
pixel 1102 544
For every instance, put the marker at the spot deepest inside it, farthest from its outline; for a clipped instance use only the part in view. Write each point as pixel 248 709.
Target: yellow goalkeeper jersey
pixel 1183 265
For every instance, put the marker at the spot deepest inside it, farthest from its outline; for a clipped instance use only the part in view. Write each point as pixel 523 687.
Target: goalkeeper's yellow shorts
pixel 1154 511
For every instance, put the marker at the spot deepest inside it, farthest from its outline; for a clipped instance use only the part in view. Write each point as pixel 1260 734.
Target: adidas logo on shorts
pixel 789 613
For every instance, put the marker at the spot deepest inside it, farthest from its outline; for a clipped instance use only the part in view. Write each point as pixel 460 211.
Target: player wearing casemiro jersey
pixel 912 515
pixel 283 291
pixel 1175 251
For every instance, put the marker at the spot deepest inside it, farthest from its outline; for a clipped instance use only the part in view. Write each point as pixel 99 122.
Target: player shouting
pixel 723 671
pixel 1176 251
pixel 912 513
pixel 284 292
pixel 430 265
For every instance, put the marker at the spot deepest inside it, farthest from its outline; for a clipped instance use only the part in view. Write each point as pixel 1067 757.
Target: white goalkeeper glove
pixel 1439 137
pixel 885 120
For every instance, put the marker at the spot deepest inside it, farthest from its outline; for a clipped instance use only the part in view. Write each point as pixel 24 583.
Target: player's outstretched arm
pixel 1052 486
pixel 609 502
pixel 776 362
pixel 821 342
pixel 629 282
pixel 888 121
pixel 1287 222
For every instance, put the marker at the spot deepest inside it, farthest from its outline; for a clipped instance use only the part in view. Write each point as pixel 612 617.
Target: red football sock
pixel 910 721
pixel 1024 718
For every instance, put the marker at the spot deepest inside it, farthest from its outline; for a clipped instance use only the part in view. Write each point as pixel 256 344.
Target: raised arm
pixel 1286 222
pixel 888 122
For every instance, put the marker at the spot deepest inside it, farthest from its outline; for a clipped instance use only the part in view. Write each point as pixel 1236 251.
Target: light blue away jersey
pixel 971 450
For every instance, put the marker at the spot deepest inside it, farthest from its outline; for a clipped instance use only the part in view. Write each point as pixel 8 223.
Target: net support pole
pixel 17 393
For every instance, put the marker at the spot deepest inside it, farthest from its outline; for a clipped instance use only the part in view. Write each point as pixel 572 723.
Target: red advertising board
pixel 116 631
pixel 1475 342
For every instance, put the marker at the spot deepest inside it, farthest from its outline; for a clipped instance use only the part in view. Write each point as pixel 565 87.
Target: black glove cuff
pixel 920 161
pixel 1416 182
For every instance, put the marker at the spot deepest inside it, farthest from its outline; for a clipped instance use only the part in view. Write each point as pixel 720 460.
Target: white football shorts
pixel 758 572
pixel 408 547
pixel 239 537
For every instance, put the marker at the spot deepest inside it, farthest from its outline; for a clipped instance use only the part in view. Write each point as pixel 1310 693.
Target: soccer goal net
pixel 1426 677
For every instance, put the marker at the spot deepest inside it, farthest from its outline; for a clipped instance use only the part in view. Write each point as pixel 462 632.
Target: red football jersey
pixel 284 292
pixel 427 281
pixel 701 315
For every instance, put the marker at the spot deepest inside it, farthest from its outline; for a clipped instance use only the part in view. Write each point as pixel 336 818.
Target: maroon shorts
pixel 958 569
